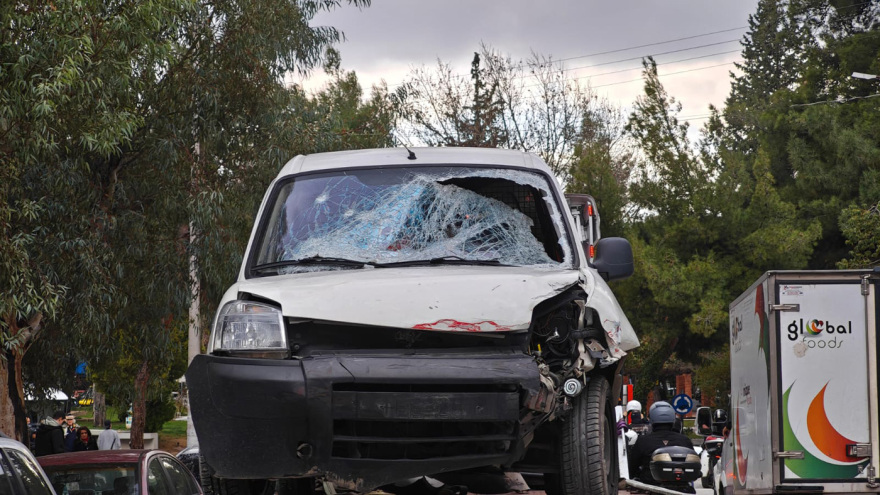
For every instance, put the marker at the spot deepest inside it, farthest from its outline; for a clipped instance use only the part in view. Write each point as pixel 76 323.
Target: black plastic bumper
pixel 362 421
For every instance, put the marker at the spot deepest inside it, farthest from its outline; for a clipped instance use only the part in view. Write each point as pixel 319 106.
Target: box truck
pixel 803 395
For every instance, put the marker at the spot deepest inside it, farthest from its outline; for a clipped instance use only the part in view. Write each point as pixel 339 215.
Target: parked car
pixel 190 458
pixel 120 472
pixel 19 471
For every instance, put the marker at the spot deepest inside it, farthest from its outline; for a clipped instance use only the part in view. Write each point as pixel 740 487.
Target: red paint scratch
pixel 462 326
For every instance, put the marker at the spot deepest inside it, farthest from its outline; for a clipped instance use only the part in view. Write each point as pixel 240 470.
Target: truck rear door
pixel 827 381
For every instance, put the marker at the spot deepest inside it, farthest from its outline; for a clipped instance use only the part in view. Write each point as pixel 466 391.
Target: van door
pixel 825 404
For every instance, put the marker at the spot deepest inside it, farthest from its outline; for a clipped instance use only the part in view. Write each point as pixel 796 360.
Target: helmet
pixel 719 416
pixel 633 405
pixel 661 412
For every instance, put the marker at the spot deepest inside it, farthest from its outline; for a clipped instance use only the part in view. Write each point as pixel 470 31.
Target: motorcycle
pixel 675 468
pixel 709 456
pixel 712 425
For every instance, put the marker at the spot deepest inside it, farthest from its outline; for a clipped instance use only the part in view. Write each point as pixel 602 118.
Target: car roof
pixel 424 157
pixel 7 443
pixel 93 457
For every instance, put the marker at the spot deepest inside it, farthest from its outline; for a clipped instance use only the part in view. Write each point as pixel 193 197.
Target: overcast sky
pixel 389 38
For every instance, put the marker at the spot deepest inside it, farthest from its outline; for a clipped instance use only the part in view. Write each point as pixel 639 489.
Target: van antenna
pixel 412 156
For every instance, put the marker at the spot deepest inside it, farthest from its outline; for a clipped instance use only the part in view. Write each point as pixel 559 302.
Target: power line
pixel 664 75
pixel 658 65
pixel 639 68
pixel 841 100
pixel 627 49
pixel 652 44
pixel 651 55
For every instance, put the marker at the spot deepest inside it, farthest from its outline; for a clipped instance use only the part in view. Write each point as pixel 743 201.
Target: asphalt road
pixel 516 485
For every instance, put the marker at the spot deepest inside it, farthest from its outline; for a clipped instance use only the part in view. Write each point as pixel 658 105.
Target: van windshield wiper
pixel 311 260
pixel 441 260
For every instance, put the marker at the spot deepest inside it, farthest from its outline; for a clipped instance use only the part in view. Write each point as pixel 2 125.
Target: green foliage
pixel 121 126
pixel 861 227
pixel 782 179
pixel 159 412
pixel 137 140
pixel 714 376
pixel 602 166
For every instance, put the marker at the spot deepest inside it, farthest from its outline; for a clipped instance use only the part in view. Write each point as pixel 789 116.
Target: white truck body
pixel 803 403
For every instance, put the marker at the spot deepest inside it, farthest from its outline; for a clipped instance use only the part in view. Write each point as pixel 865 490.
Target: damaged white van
pixel 411 312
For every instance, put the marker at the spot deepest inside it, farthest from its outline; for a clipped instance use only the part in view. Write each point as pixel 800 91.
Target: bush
pixel 158 413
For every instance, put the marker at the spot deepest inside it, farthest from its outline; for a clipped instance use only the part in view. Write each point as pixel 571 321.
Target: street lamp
pixel 861 75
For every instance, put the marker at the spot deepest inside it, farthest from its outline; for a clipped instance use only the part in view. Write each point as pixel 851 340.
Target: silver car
pixel 19 471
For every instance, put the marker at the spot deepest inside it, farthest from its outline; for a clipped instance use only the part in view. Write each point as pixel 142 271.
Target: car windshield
pixel 116 479
pixel 397 216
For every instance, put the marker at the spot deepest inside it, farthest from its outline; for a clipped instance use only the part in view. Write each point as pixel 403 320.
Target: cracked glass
pixel 411 215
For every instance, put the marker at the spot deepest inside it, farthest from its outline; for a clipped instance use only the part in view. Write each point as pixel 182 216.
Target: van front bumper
pixel 359 420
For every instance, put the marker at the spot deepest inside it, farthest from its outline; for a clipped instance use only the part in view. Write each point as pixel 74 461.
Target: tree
pixel 602 166
pixel 707 228
pixel 120 123
pixel 445 111
pixel 55 91
pixel 774 54
pixel 524 105
pixel 798 58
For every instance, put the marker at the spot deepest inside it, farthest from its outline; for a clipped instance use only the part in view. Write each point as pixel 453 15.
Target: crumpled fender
pixel 619 333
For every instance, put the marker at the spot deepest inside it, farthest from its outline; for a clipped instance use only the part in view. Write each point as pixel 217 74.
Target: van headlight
pixel 245 328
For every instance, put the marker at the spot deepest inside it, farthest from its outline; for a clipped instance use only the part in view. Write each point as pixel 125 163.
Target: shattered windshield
pixel 349 219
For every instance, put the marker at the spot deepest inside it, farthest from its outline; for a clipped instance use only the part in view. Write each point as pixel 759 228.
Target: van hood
pixel 466 298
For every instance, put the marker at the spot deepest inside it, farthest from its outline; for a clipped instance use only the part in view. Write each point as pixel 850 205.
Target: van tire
pixel 588 460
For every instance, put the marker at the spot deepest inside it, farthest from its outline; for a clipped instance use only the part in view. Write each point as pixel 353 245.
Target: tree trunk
pixel 99 407
pixel 12 413
pixel 195 329
pixel 139 409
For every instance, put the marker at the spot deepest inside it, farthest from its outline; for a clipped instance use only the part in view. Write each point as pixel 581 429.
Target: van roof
pixel 424 157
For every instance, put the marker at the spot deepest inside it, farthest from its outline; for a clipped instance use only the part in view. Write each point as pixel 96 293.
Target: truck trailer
pixel 803 396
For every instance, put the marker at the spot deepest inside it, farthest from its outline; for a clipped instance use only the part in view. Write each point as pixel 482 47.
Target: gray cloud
pixel 384 40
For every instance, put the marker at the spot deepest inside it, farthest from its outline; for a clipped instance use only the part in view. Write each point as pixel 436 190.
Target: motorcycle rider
pixel 634 413
pixel 662 417
pixel 636 424
pixel 720 423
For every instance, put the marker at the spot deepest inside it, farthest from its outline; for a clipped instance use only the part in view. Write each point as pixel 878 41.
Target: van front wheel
pixel 588 458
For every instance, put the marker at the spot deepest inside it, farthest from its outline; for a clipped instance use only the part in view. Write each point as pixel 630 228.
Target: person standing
pixel 69 424
pixel 70 432
pixel 49 438
pixel 84 440
pixel 108 439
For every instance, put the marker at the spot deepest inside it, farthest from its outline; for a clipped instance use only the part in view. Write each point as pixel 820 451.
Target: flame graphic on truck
pixel 764 335
pixel 742 460
pixel 825 437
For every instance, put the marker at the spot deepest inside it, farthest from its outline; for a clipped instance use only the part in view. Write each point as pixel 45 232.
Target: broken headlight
pixel 251 329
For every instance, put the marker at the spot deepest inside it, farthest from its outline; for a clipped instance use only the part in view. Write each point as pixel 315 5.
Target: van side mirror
pixel 614 258
pixel 704 421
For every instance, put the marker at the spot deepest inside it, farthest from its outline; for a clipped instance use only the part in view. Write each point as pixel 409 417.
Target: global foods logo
pixel 735 331
pixel 810 330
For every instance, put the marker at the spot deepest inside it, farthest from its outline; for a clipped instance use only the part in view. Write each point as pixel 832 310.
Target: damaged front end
pixel 393 323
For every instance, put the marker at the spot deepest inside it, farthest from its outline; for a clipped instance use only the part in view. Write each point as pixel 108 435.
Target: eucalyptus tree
pixel 122 124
